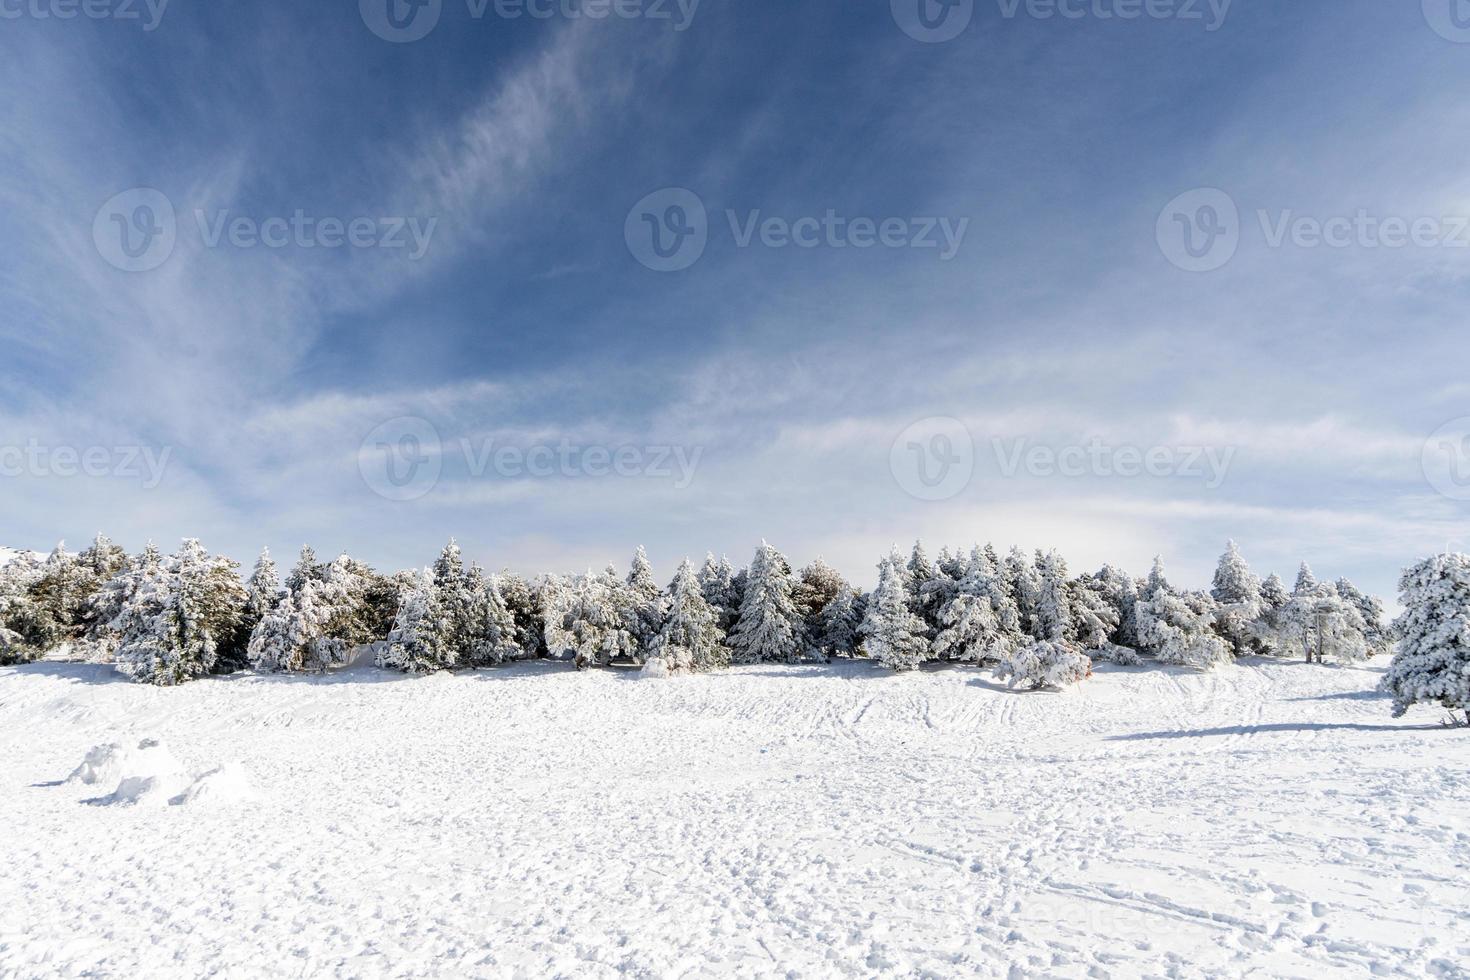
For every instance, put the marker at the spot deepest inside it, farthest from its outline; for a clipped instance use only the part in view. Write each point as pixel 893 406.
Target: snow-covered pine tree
pixel 583 619
pixel 837 626
pixel 1432 661
pixel 1024 585
pixel 1122 594
pixel 647 600
pixel 923 600
pixel 1268 631
pixel 1053 606
pixel 1094 616
pixel 1237 590
pixel 58 597
pixel 626 639
pixel 494 638
pixel 283 639
pixel 1273 592
pixel 994 566
pixel 980 621
pixel 1038 664
pixel 689 638
pixel 351 594
pixel 1173 629
pixel 717 582
pixel 769 628
pixel 457 600
pixel 263 589
pixel 421 639
pixel 25 632
pixel 178 622
pixel 1370 610
pixel 1317 624
pixel 306 567
pixel 97 564
pixel 524 600
pixel 952 564
pixel 816 586
pixel 892 634
pixel 106 606
pixel 103 558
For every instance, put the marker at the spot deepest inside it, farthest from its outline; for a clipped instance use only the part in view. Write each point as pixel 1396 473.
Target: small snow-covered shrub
pixel 656 668
pixel 1111 653
pixel 1044 663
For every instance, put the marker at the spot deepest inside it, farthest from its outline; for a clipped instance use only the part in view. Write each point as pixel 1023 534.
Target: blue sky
pixel 787 374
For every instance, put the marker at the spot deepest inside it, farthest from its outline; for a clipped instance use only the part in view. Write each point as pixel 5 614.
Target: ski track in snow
pixel 1265 819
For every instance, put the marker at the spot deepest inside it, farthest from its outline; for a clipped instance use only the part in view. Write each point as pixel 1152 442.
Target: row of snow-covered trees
pixel 165 619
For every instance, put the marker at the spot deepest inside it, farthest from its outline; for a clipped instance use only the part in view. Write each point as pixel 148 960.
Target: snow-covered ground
pixel 811 821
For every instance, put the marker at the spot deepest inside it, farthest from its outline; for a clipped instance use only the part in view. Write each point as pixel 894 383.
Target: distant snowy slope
pixel 7 555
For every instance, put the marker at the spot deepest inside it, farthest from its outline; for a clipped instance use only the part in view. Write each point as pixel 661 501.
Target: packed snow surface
pixel 813 821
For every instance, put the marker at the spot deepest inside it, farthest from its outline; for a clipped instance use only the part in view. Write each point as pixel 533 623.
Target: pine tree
pixel 837 626
pixel 689 637
pixel 1432 663
pixel 891 633
pixel 1094 616
pixel 456 597
pixel 980 621
pixel 306 568
pixel 647 600
pixel 816 586
pixel 58 598
pixel 291 636
pixel 262 589
pixel 1176 629
pixel 919 582
pixel 1269 630
pixel 1238 592
pixel 951 564
pixel 717 582
pixel 494 637
pixel 180 618
pixel 25 632
pixel 1053 606
pixel 1122 594
pixel 1316 624
pixel 1024 585
pixel 582 619
pixel 769 628
pixel 98 564
pixel 1370 611
pixel 420 642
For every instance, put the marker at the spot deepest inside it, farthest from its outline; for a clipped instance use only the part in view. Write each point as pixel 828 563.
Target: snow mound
pixel 655 668
pixel 103 764
pixel 150 775
pixel 225 784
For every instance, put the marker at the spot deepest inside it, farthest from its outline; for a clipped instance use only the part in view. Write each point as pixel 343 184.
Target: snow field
pixel 818 821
